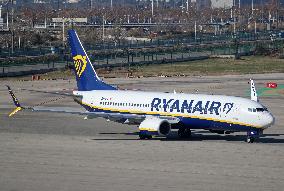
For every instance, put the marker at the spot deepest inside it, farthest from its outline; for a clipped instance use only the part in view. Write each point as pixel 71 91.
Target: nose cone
pixel 269 120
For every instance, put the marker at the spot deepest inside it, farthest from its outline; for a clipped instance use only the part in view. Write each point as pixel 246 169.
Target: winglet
pixel 253 94
pixel 16 102
pixel 15 111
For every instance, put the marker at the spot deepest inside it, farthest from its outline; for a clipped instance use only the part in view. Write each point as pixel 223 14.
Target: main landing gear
pixel 143 136
pixel 184 132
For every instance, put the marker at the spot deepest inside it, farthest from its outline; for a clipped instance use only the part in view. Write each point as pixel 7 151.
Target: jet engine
pixel 156 125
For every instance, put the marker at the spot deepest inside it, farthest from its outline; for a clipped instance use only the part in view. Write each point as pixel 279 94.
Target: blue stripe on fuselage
pixel 192 123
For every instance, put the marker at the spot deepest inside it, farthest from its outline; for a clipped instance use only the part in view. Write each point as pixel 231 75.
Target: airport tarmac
pixel 44 151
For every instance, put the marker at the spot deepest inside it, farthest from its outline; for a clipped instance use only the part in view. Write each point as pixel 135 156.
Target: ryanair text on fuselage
pixel 190 106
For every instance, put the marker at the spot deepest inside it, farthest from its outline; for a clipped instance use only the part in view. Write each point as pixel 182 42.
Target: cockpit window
pixel 261 109
pixel 257 109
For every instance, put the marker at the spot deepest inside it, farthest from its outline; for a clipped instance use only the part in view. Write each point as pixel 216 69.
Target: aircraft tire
pixel 250 139
pixel 143 136
pixel 188 133
pixel 184 133
pixel 149 137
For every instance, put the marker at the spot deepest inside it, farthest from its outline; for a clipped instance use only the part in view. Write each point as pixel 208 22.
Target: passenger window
pixel 254 110
pixel 249 109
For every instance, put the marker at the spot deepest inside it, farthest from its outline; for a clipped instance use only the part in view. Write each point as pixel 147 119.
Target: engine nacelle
pixel 155 126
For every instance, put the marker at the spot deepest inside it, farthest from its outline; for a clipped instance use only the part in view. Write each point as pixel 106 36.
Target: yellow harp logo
pixel 80 64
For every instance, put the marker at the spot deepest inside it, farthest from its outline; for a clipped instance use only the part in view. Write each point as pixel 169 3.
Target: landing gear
pixel 253 135
pixel 250 139
pixel 184 132
pixel 143 136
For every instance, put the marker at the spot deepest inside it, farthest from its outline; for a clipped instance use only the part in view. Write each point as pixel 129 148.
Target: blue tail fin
pixel 86 75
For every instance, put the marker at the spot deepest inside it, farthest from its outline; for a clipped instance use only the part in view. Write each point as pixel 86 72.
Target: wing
pixel 134 119
pixel 117 117
pixel 63 93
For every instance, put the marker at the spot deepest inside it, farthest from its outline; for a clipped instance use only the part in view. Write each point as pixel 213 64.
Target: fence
pixel 135 44
pixel 139 56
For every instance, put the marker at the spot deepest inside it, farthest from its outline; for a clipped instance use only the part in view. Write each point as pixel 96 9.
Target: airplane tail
pixel 86 76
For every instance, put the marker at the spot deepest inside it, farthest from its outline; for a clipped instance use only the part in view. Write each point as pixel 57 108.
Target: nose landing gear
pixel 250 139
pixel 253 135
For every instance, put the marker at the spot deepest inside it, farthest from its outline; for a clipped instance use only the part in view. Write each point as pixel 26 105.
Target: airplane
pixel 158 113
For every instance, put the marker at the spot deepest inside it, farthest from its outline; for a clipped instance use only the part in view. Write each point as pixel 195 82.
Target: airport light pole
pixel 195 31
pixel 12 28
pixel 63 29
pixel 187 6
pixel 7 19
pixel 152 8
pixel 233 15
pixel 255 27
pixel 103 28
pixel 252 9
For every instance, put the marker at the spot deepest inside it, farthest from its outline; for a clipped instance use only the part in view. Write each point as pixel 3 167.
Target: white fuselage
pixel 218 108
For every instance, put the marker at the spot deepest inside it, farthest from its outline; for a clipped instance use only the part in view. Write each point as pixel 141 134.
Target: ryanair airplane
pixel 159 113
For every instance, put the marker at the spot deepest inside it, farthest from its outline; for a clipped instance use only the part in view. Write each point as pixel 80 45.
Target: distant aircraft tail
pixel 86 76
